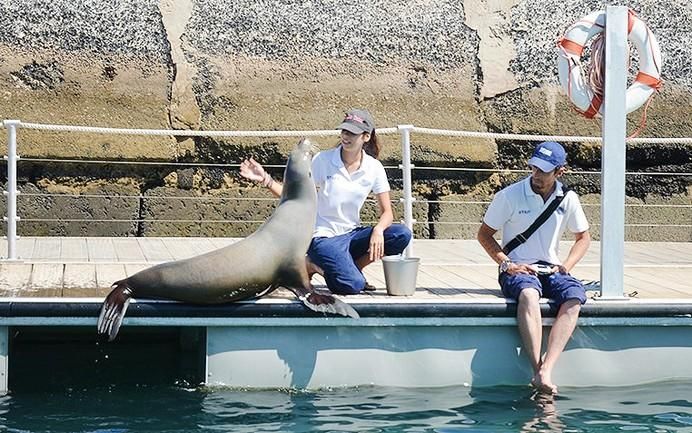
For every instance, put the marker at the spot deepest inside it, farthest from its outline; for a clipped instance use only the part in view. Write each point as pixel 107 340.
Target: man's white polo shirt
pixel 340 194
pixel 516 207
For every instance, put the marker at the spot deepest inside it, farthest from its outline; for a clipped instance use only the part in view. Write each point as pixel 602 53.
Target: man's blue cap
pixel 548 156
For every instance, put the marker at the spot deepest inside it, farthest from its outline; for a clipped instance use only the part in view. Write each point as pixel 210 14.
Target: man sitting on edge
pixel 521 277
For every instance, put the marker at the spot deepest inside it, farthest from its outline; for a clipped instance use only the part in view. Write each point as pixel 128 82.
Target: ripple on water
pixel 173 409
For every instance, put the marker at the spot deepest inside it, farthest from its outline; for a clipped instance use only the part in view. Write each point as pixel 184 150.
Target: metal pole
pixel 613 155
pixel 11 192
pixel 406 167
pixel 4 358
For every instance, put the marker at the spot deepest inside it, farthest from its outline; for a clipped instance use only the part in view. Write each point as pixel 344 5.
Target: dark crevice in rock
pixel 478 79
pixel 40 76
pixel 433 215
pixel 172 72
pixel 31 171
pixel 140 217
pixel 203 85
pixel 211 150
pixel 109 72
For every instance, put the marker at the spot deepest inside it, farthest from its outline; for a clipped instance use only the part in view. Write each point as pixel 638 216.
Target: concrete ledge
pixel 177 312
pixel 278 343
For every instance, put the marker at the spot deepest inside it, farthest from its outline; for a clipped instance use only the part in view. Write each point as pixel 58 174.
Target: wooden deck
pixel 454 270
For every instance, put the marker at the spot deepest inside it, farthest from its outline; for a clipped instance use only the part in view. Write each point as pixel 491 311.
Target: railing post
pixel 11 192
pixel 406 167
pixel 613 154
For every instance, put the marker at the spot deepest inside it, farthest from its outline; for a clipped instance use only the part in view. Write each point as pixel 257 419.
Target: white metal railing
pixel 404 131
pixel 334 132
pixel 12 191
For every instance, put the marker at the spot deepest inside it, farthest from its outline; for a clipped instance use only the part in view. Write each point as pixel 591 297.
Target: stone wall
pixel 249 65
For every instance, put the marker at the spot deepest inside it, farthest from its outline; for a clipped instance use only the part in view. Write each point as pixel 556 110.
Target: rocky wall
pixel 275 65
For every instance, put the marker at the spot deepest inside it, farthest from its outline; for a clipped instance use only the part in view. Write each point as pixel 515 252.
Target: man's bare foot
pixel 312 268
pixel 543 383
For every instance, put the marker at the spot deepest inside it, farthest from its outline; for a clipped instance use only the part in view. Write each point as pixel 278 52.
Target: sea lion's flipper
pixel 266 291
pixel 113 310
pixel 324 303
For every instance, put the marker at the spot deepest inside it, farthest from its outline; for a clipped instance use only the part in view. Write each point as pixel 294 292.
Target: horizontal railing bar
pixel 188 132
pixel 135 220
pixel 643 205
pixel 65 220
pixel 120 162
pixel 592 224
pixel 418 200
pixel 391 167
pixel 334 132
pixel 582 172
pixel 421 168
pixel 149 197
pixel 530 137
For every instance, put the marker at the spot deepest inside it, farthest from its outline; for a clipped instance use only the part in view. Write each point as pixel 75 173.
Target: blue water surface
pixel 661 407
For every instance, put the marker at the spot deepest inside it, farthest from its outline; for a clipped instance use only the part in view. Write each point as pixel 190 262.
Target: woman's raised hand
pixel 252 170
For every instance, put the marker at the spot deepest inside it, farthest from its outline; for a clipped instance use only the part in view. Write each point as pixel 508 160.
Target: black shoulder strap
pixel 522 237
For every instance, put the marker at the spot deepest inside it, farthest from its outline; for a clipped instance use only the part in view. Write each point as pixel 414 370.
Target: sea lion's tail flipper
pixel 113 310
pixel 325 303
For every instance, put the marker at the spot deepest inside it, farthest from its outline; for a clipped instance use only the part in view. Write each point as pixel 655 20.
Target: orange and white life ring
pixel 647 81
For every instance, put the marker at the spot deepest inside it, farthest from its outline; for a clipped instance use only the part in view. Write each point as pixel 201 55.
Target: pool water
pixel 64 382
pixel 661 407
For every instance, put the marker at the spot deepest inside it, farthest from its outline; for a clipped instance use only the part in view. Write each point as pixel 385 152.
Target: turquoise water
pixel 663 407
pixel 62 381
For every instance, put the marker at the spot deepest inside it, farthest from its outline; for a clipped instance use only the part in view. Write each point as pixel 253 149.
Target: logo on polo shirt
pixel 524 211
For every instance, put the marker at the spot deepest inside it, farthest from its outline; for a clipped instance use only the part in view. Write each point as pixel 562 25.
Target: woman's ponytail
pixel 372 147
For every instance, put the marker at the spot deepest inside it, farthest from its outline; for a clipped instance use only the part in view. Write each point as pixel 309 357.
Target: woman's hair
pixel 372 147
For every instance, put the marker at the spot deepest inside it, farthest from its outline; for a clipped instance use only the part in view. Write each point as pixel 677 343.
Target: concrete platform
pixel 455 330
pixel 453 270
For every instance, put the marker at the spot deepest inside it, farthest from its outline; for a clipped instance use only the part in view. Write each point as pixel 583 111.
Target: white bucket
pixel 400 274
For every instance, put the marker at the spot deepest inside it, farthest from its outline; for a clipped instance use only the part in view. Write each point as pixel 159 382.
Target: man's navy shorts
pixel 558 287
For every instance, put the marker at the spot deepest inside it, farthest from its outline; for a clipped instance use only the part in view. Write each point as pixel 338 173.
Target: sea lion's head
pixel 297 175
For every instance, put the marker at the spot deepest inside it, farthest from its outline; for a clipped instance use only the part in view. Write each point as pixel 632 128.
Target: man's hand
pixel 521 268
pixel 561 269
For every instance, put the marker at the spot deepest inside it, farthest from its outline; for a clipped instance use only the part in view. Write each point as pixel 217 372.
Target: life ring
pixel 571 45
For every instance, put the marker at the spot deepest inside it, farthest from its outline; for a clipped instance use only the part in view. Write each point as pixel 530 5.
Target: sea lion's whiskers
pixel 314 148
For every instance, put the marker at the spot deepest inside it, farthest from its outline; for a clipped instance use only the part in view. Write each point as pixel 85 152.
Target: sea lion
pixel 271 257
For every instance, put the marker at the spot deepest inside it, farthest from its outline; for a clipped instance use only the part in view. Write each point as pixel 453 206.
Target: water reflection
pixel 248 411
pixel 380 409
pixel 657 407
pixel 545 418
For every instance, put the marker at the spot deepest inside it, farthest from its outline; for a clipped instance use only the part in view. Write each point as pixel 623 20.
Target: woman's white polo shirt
pixel 340 194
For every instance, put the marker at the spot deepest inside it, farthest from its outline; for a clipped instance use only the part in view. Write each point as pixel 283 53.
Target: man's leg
pixel 530 325
pixel 567 292
pixel 562 330
pixel 526 290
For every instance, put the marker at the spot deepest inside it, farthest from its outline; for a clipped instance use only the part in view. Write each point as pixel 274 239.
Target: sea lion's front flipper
pixel 266 291
pixel 324 303
pixel 113 310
